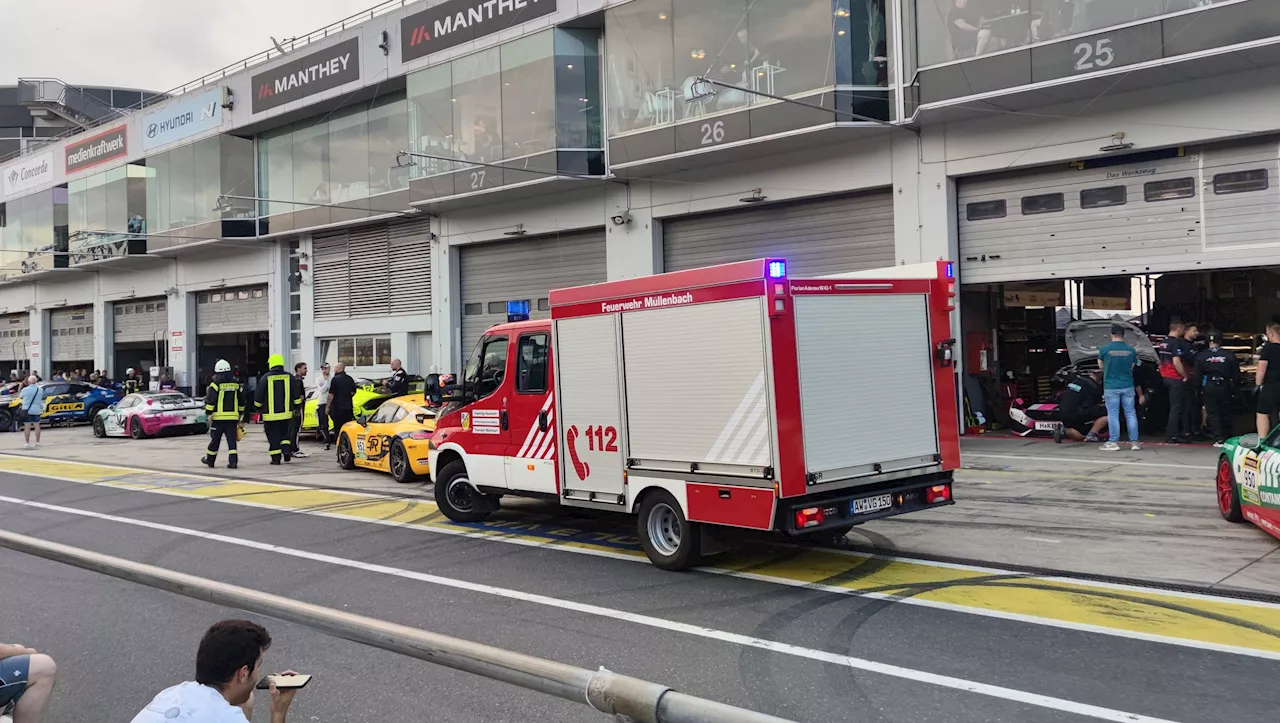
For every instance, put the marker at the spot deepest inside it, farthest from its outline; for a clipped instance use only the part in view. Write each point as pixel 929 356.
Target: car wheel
pixel 401 470
pixel 457 499
pixel 670 540
pixel 6 421
pixel 346 459
pixel 135 428
pixel 93 410
pixel 99 428
pixel 1228 493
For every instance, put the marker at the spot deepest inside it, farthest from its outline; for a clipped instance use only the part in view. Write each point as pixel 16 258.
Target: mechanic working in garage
pixel 224 404
pixel 278 395
pixel 1219 374
pixel 300 378
pixel 338 404
pixel 1080 404
pixel 1175 370
pixel 398 382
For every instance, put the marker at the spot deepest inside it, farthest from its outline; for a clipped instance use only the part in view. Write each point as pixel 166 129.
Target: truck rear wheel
pixel 671 541
pixel 457 499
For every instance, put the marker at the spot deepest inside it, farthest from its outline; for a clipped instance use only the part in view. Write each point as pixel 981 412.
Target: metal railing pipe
pixel 624 697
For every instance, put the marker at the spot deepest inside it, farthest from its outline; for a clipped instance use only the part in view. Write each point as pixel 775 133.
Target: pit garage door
pixel 71 334
pixel 140 321
pixel 228 311
pixel 495 273
pixel 816 237
pixel 15 337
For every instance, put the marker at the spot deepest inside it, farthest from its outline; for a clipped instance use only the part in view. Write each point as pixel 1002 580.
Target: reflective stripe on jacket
pixel 279 394
pixel 223 401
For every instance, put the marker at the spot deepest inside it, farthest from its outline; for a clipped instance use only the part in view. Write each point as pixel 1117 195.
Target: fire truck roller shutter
pixel 71 334
pixel 495 273
pixel 719 416
pixel 861 409
pixel 816 236
pixel 15 337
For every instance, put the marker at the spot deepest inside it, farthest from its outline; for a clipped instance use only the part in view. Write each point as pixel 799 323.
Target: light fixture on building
pixel 757 196
pixel 1118 143
pixel 519 231
pixel 386 43
pixel 662 16
pixel 31 308
pixel 171 291
pixel 842 13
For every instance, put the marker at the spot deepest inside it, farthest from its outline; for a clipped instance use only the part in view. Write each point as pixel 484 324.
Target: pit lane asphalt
pixel 94 623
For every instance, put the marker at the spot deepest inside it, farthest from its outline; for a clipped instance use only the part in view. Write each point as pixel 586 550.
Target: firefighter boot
pixel 208 460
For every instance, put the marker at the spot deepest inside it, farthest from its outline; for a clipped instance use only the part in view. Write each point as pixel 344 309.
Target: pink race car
pixel 148 414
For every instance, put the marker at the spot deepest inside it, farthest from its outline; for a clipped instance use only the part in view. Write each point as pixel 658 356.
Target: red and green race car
pixel 1248 481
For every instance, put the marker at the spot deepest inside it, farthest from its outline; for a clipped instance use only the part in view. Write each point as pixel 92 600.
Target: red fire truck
pixel 711 399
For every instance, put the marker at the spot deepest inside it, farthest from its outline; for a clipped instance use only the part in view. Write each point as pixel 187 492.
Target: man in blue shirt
pixel 32 397
pixel 1118 360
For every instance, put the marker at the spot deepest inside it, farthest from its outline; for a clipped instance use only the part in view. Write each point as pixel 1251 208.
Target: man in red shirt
pixel 1175 370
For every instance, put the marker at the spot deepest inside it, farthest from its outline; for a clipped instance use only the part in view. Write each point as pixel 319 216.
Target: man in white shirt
pixel 228 666
pixel 322 396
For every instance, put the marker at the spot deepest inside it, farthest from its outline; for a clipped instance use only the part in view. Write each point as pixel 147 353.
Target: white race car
pixel 147 414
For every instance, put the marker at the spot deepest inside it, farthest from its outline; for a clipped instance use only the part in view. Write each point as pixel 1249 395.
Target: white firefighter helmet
pixel 128 372
pixel 222 366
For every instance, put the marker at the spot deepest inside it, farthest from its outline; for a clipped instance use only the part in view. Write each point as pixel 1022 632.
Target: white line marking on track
pixel 1083 460
pixel 755 577
pixel 870 666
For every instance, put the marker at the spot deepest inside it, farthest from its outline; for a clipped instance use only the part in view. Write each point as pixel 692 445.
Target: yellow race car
pixel 369 395
pixel 394 440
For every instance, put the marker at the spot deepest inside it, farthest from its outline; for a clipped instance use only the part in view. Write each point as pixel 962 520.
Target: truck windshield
pixel 487 366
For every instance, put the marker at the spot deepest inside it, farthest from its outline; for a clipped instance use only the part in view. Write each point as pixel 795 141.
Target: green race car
pixel 1248 481
pixel 369 395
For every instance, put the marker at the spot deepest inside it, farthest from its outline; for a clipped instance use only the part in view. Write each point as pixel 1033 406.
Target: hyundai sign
pixel 315 73
pixel 186 117
pixel 459 21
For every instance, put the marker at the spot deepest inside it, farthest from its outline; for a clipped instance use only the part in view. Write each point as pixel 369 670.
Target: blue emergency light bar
pixel 777 269
pixel 518 310
pixel 951 269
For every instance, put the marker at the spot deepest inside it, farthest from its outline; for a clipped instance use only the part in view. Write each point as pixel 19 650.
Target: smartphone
pixel 283 682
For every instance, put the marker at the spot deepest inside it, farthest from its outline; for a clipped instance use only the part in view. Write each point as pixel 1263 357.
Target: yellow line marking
pixel 1136 612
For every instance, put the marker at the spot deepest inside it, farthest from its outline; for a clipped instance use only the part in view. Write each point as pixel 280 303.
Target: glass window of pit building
pixel 532 103
pixel 792 48
pixel 949 30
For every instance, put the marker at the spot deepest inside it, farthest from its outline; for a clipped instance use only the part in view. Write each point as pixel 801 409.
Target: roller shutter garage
pixel 816 237
pixel 375 271
pixel 139 321
pixel 71 334
pixel 15 336
pixel 229 311
pixel 495 273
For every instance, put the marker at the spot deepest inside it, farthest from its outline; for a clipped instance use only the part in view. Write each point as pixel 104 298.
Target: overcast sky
pixel 149 44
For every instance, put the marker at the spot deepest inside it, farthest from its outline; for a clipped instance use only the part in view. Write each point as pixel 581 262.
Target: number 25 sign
pixel 598 439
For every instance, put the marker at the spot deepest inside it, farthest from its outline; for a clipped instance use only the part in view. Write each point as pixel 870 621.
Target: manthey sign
pixel 182 119
pixel 100 148
pixel 27 173
pixel 458 21
pixel 308 75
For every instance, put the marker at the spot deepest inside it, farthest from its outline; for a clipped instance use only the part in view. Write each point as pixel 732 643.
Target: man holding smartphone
pixel 228 666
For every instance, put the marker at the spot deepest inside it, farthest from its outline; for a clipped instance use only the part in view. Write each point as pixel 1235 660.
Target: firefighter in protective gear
pixel 279 394
pixel 224 403
pixel 132 382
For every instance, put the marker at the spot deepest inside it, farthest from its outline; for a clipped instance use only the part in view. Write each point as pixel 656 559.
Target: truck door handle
pixel 542 421
pixel 503 417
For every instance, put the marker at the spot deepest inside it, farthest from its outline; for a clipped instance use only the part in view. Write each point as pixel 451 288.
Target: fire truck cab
pixel 705 400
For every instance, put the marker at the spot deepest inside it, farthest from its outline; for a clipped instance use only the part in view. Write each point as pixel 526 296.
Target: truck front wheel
pixel 671 541
pixel 457 499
